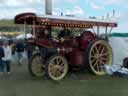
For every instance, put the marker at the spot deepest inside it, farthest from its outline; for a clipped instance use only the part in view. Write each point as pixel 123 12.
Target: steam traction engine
pixel 56 55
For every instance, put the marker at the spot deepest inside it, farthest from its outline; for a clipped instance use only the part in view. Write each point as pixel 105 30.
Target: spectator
pixel 29 50
pixel 64 33
pixel 1 55
pixel 12 45
pixel 20 50
pixel 7 57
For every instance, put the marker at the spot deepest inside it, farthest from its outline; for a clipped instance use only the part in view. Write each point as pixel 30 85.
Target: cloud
pixel 122 22
pixel 73 1
pixel 114 2
pixel 16 3
pixel 6 13
pixel 20 6
pixel 111 1
pixel 122 27
pixel 95 6
pixel 77 11
pixel 56 11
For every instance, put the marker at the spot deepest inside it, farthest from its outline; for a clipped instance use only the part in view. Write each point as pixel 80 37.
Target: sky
pixel 79 8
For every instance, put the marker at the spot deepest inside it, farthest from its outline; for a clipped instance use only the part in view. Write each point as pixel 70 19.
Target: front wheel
pixel 36 66
pixel 99 53
pixel 57 67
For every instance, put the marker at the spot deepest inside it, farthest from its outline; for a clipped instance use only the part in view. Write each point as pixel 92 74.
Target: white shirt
pixel 7 53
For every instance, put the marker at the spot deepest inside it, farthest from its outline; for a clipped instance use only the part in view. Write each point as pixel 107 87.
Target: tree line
pixel 9 26
pixel 14 29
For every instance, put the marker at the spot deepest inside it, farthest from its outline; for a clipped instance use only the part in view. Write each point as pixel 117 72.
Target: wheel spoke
pixel 58 73
pixel 54 62
pixel 98 69
pixel 93 52
pixel 53 72
pixel 61 68
pixel 100 47
pixel 104 54
pixel 62 64
pixel 96 50
pixel 93 60
pixel 95 63
pixel 37 60
pixel 103 63
pixel 58 60
pixel 93 56
pixel 34 65
pixel 104 58
pixel 52 67
pixel 102 50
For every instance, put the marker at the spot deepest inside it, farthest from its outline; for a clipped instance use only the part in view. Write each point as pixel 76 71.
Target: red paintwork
pixel 77 58
pixel 72 48
pixel 86 38
pixel 44 43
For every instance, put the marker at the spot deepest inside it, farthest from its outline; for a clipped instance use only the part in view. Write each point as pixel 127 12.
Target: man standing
pixel 1 55
pixel 7 57
pixel 20 50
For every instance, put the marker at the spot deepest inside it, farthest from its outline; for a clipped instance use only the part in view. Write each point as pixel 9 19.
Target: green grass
pixel 20 83
pixel 97 87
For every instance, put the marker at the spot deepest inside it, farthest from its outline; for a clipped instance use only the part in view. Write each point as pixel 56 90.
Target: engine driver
pixel 65 33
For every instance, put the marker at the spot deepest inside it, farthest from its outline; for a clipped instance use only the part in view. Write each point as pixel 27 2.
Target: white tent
pixel 1 37
pixel 23 36
pixel 119 44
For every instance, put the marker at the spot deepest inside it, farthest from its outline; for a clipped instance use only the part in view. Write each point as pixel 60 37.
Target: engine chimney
pixel 48 7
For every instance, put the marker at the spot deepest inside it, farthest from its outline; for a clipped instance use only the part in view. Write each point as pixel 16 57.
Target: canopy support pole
pixel 49 28
pixel 94 30
pixel 98 31
pixel 106 35
pixel 33 29
pixel 110 30
pixel 25 28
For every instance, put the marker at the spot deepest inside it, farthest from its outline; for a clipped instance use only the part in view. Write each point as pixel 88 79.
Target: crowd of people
pixel 8 51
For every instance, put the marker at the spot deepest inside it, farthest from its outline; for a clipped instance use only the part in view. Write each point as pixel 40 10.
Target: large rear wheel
pixel 36 66
pixel 57 67
pixel 99 53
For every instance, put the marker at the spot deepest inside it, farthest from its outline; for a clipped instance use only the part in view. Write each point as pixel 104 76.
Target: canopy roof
pixel 45 20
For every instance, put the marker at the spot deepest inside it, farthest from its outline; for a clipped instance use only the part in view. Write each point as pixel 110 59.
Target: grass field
pixel 20 83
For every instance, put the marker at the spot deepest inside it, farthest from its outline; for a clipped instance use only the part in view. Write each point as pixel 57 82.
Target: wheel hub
pixel 97 56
